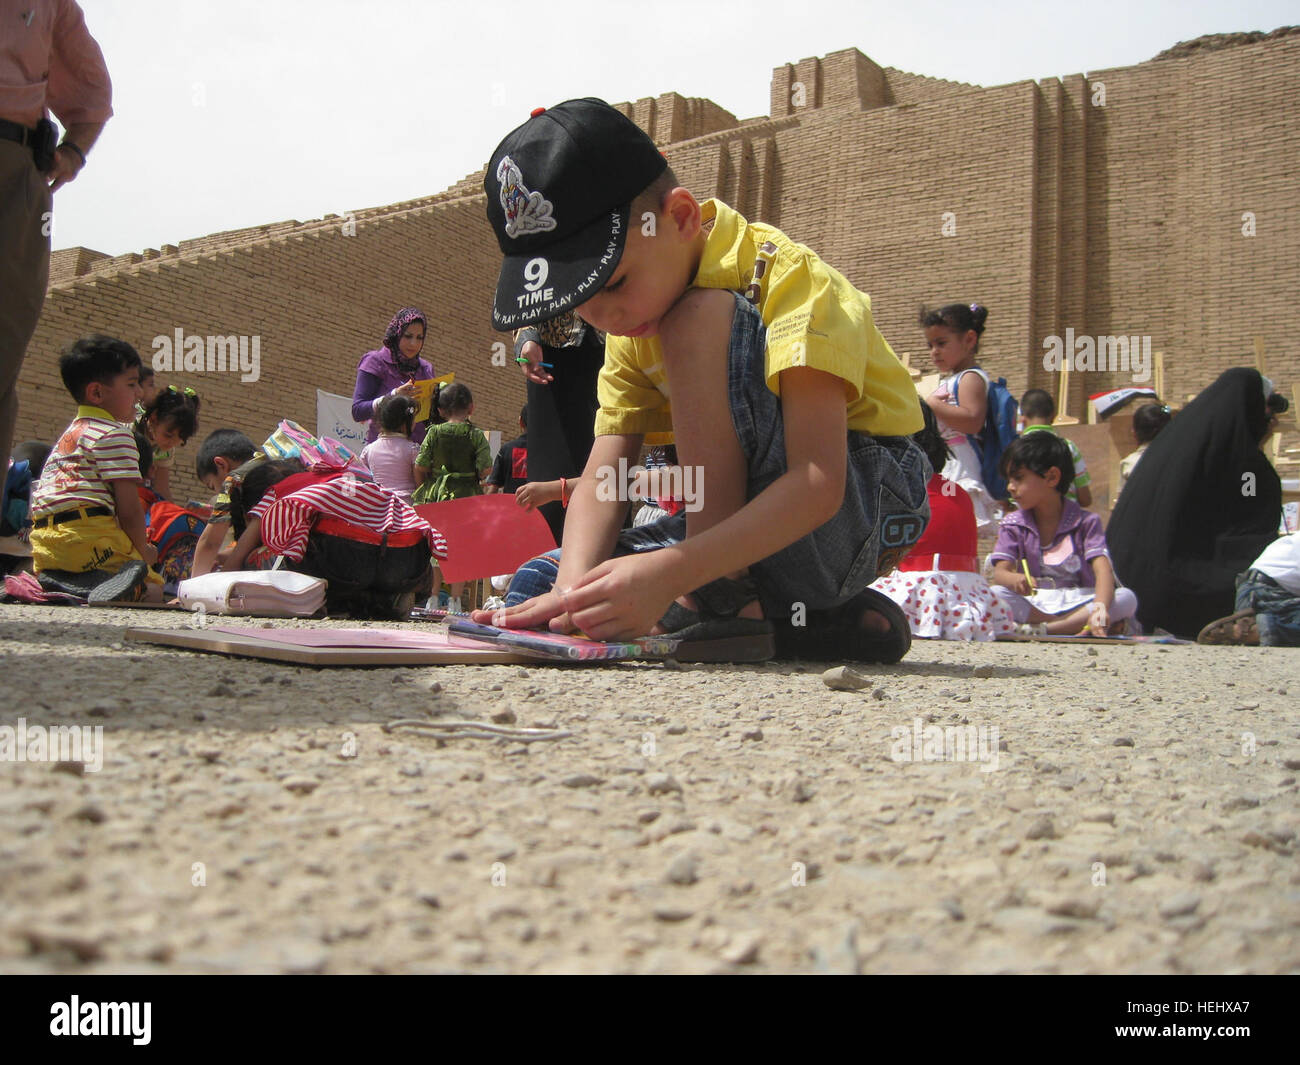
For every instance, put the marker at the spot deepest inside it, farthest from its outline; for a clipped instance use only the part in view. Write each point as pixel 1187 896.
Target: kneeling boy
pixel 783 393
pixel 88 529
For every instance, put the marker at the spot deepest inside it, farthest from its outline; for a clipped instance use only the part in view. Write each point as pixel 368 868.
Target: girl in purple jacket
pixel 1050 564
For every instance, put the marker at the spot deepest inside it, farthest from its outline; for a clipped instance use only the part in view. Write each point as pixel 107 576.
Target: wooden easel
pixel 1063 399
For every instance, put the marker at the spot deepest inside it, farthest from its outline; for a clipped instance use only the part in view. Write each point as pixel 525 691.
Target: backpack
pixel 18 485
pixel 999 430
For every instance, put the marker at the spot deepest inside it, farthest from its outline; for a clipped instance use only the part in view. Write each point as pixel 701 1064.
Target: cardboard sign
pixel 486 535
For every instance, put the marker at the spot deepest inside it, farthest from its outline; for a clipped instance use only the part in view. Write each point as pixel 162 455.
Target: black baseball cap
pixel 559 189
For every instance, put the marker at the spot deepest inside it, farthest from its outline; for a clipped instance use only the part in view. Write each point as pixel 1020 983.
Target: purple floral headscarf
pixel 393 335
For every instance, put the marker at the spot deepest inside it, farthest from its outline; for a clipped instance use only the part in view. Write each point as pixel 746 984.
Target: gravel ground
pixel 1124 809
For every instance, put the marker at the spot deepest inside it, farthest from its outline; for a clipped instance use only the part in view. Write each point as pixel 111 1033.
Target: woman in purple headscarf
pixel 389 370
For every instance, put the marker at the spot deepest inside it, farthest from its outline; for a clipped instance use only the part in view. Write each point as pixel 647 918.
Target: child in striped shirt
pixel 88 528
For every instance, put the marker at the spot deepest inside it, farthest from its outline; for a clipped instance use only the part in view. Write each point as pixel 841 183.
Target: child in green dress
pixel 453 461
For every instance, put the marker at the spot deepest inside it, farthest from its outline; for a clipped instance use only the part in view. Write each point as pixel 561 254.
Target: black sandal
pixel 714 633
pixel 837 634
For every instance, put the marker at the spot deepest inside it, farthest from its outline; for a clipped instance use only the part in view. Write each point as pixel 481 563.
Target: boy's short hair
pixel 95 358
pixel 1038 453
pixel 1038 404
pixel 455 398
pixel 225 443
pixel 560 190
pixel 652 197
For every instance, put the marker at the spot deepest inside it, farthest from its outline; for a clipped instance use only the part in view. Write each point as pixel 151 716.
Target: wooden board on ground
pixel 1162 640
pixel 277 645
pixel 140 606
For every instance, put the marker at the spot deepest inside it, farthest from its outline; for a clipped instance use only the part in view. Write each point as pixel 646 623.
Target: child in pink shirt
pixel 391 456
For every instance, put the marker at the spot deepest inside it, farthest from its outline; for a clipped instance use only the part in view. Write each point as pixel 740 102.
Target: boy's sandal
pixel 1239 629
pixel 837 634
pixel 714 633
pixel 125 586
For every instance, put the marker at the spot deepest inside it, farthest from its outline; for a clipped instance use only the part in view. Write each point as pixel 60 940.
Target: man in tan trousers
pixel 48 61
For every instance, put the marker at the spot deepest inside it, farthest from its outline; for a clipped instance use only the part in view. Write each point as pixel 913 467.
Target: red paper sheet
pixel 487 535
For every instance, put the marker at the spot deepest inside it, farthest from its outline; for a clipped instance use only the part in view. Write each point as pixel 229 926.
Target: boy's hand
pixel 533 369
pixel 1020 585
pixel 149 553
pixel 539 612
pixel 623 598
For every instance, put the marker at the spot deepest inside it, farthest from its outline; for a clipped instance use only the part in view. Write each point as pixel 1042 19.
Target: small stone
pixel 845 679
pixel 646 817
pixel 983 672
pixel 582 780
pixel 1122 741
pixel 661 784
pixel 72 768
pixel 505 716
pixel 743 948
pixel 208 754
pixel 301 785
pixel 1240 802
pixel 952 907
pixel 675 730
pixel 1099 814
pixel 91 813
pixel 1043 828
pixel 962 699
pixel 1202 871
pixel 221 689
pixel 1180 905
pixel 796 789
pixel 436 687
pixel 684 870
pixel 1073 906
pixel 754 734
pixel 879 694
pixel 672 914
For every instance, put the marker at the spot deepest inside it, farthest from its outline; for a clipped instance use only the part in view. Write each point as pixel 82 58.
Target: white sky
pixel 234 113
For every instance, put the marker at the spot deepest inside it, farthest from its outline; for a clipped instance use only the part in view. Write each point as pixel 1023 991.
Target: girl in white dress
pixel 961 400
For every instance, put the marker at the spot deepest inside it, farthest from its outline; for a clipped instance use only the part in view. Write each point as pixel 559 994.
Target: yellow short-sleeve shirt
pixel 814 317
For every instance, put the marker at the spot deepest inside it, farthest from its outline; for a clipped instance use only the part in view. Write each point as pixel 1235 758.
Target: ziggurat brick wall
pixel 1122 218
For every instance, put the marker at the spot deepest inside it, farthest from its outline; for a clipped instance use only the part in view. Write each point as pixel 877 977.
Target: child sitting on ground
pixel 783 392
pixel 371 547
pixel 391 455
pixel 961 401
pixel 938 585
pixel 452 462
pixel 161 426
pixel 1039 409
pixel 224 458
pixel 1148 420
pixel 1051 567
pixel 88 529
pixel 1268 601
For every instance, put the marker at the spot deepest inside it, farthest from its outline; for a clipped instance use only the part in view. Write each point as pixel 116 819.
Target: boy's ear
pixel 1052 476
pixel 684 210
pixel 93 393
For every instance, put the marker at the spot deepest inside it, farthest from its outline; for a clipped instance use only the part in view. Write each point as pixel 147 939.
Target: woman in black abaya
pixel 1199 508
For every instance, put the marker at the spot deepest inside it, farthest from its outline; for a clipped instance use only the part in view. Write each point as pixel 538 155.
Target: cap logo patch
pixel 526 212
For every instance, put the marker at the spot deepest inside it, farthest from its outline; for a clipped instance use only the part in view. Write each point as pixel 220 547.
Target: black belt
pixel 13 131
pixel 70 515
